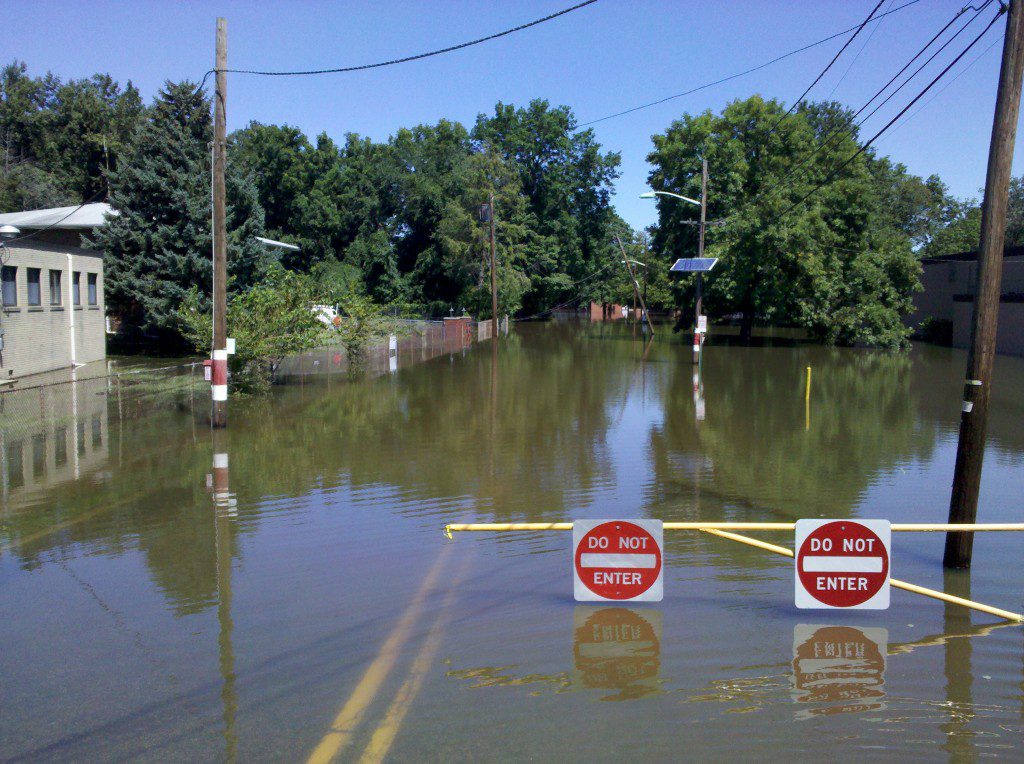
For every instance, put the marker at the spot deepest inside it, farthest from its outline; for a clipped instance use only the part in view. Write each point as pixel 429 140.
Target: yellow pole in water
pixel 711 525
pixel 807 401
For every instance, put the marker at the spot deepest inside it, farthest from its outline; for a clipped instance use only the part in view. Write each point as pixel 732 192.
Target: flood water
pixel 304 602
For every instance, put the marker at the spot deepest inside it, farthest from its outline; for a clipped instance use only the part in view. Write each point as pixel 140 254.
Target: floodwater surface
pixel 300 601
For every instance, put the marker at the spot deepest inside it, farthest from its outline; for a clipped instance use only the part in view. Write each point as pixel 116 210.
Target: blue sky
pixel 601 59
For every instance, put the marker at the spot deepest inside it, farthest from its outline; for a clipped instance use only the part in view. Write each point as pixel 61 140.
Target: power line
pixel 825 70
pixel 827 139
pixel 856 58
pixel 831 176
pixel 745 72
pixel 941 90
pixel 406 59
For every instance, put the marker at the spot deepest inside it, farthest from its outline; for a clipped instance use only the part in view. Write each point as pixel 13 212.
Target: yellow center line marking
pixel 385 734
pixel 351 714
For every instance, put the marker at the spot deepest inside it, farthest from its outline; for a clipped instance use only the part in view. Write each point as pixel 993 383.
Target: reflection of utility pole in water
pixel 225 508
pixel 494 401
pixel 957 667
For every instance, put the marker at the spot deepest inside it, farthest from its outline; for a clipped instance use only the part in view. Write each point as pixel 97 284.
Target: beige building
pixel 948 298
pixel 53 314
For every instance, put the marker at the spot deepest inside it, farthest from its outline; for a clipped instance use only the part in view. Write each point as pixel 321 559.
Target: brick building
pixel 53 314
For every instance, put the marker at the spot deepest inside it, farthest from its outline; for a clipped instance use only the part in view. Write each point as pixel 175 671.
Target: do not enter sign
pixel 842 564
pixel 617 560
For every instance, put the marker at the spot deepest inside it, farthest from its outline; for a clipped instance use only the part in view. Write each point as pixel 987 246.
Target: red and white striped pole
pixel 219 378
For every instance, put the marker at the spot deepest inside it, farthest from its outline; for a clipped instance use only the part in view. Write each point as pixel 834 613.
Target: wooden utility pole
pixel 220 249
pixel 963 503
pixel 494 279
pixel 698 339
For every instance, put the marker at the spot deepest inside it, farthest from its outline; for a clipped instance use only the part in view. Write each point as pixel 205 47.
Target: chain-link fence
pixel 53 431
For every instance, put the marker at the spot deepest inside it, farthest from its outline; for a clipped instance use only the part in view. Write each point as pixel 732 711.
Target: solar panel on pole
pixel 694 264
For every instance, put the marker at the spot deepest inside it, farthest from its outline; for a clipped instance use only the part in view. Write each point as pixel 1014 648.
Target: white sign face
pixel 702 324
pixel 842 564
pixel 618 560
pixel 230 345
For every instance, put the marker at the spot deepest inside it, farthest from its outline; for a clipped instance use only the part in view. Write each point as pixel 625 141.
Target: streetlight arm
pixel 651 194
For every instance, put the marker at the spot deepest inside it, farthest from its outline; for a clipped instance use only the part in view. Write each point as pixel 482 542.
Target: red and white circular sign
pixel 842 563
pixel 617 560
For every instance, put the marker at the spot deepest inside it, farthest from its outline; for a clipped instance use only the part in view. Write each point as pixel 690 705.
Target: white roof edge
pixel 84 216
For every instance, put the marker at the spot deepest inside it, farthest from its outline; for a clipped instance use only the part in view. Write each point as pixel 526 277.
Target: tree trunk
pixel 747 326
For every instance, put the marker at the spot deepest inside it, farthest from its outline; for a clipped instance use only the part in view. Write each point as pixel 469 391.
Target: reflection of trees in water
pixel 435 432
pixel 439 431
pixel 154 500
pixel 753 451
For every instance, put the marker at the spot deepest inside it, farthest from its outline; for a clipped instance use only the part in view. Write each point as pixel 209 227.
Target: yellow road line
pixel 385 734
pixel 351 714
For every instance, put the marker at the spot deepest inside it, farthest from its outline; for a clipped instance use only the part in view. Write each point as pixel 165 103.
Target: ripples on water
pixel 142 619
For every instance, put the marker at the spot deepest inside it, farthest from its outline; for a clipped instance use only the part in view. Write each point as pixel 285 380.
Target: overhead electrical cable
pixel 824 71
pixel 941 90
pixel 405 59
pixel 856 57
pixel 832 175
pixel 827 140
pixel 745 72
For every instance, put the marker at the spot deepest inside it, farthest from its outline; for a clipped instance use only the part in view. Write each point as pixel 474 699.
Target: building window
pixel 10 286
pixel 76 288
pixel 15 465
pixel 60 447
pixel 55 293
pixel 38 456
pixel 34 294
pixel 92 288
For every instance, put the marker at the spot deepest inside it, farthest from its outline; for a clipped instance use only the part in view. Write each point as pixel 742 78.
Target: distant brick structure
pixel 606 311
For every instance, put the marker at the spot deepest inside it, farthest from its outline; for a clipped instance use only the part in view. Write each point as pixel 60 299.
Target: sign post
pixel 842 564
pixel 617 560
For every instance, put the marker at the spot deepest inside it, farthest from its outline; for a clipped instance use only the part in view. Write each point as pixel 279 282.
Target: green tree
pixel 158 245
pixel 836 261
pixel 272 320
pixel 59 139
pixel 567 181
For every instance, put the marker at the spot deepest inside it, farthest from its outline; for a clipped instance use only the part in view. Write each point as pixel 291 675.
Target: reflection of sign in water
pixel 842 564
pixel 617 560
pixel 617 648
pixel 840 667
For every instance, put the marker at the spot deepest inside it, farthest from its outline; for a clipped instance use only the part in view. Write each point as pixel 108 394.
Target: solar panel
pixel 694 264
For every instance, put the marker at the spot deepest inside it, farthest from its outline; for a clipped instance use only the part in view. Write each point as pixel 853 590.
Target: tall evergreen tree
pixel 158 245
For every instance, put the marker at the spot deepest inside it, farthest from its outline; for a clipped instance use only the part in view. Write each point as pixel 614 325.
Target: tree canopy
pixel 835 257
pixel 807 234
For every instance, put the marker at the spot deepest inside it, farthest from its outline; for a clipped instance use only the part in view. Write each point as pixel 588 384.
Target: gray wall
pixel 38 338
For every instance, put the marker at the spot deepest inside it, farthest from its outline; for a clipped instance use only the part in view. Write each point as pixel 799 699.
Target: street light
pixel 698 343
pixel 652 194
